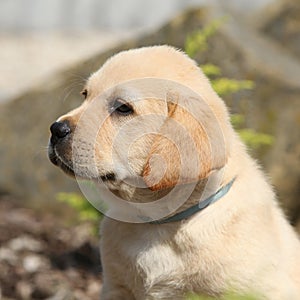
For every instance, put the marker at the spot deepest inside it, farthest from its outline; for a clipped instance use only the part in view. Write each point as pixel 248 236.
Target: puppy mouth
pixel 57 161
pixel 108 177
pixel 69 170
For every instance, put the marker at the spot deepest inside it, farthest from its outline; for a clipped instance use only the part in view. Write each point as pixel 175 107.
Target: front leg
pixel 114 282
pixel 118 274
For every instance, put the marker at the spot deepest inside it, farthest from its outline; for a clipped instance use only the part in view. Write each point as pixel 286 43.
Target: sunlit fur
pixel 242 243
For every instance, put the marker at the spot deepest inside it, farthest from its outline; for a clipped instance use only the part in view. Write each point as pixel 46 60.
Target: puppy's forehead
pixel 137 90
pixel 160 62
pixel 155 62
pixel 142 88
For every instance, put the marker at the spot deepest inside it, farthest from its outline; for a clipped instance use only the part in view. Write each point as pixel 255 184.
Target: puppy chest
pixel 158 268
pixel 158 261
pixel 166 268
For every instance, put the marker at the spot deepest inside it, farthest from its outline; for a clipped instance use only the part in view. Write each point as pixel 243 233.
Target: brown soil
pixel 43 258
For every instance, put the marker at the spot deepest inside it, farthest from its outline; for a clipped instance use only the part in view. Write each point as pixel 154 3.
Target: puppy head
pixel 150 120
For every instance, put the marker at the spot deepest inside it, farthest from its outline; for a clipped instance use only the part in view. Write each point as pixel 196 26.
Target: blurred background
pixel 249 49
pixel 48 35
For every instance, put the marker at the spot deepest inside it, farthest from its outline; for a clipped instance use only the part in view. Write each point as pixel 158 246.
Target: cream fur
pixel 242 242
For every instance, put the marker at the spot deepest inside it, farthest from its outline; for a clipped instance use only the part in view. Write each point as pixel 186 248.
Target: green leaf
pixel 211 70
pixel 225 86
pixel 237 120
pixel 255 139
pixel 197 41
pixel 86 211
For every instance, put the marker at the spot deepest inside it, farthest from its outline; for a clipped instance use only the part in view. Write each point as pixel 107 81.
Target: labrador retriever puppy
pixel 187 209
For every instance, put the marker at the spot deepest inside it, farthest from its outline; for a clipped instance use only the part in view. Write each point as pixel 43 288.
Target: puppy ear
pixel 188 147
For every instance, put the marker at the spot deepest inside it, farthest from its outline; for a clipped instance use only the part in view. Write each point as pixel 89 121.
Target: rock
pixel 272 107
pixel 93 289
pixel 34 263
pixel 281 21
pixel 7 255
pixel 47 284
pixel 19 218
pixel 24 290
pixel 25 243
pixel 81 235
pixel 62 294
pixel 29 270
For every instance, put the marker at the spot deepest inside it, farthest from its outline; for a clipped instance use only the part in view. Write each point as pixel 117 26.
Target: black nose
pixel 59 130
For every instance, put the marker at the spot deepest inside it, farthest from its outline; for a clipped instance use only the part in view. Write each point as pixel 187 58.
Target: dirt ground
pixel 41 257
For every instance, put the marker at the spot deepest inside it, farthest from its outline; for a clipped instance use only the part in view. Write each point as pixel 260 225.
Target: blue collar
pixel 198 207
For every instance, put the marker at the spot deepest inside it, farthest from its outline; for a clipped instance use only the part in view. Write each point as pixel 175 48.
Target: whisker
pixel 79 77
pixel 76 81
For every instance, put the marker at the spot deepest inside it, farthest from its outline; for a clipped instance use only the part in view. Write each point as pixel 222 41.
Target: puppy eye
pixel 122 108
pixel 84 93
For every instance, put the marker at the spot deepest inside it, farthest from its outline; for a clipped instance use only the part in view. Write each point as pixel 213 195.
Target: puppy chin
pixel 57 161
